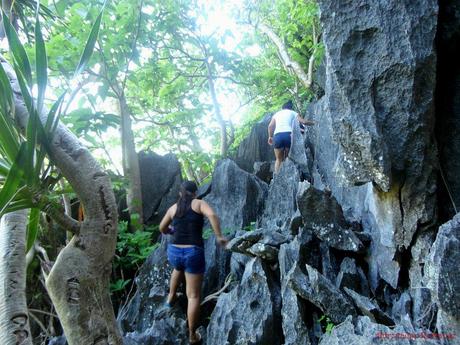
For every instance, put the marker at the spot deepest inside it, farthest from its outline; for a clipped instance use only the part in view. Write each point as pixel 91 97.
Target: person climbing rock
pixel 280 132
pixel 186 252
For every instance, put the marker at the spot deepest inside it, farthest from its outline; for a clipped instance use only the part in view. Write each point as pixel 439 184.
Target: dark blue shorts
pixel 282 140
pixel 189 259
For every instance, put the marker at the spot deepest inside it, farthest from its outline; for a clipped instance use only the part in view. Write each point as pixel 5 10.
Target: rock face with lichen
pixel 347 233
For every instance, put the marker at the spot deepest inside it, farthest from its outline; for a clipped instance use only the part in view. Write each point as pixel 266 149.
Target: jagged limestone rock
pixel 245 315
pixel 146 319
pixel 264 170
pixel 255 147
pixel 294 328
pixel 441 269
pixel 369 308
pixel 323 214
pixel 375 121
pixel 281 200
pixel 237 196
pixel 317 289
pixel 353 277
pixel 160 179
pixel 297 152
pixel 367 332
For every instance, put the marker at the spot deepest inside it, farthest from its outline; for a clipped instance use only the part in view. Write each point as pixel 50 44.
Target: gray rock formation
pixel 160 179
pixel 352 277
pixel 441 269
pixel 245 315
pixel 264 170
pixel 367 332
pixel 255 147
pixel 317 289
pixel 281 200
pixel 323 214
pixel 146 319
pixel 369 308
pixel 294 328
pixel 375 122
pixel 237 196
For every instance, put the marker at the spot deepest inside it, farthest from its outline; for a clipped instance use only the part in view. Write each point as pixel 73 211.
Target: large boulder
pixel 160 179
pixel 254 148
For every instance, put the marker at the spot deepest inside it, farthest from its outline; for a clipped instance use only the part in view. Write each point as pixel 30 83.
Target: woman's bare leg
pixel 193 290
pixel 279 155
pixel 176 277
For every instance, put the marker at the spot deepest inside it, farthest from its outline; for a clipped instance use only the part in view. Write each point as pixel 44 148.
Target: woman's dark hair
pixel 288 105
pixel 187 194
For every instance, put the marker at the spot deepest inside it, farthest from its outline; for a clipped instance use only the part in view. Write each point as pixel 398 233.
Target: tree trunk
pixel 14 318
pixel 130 158
pixel 217 113
pixel 78 283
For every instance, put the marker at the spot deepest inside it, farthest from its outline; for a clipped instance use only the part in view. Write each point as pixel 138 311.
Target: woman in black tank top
pixel 186 252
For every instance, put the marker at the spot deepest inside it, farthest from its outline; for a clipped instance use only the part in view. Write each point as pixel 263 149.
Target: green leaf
pixel 28 100
pixel 9 140
pixel 13 180
pixel 46 134
pixel 32 227
pixel 17 49
pixel 18 205
pixel 4 167
pixel 6 100
pixel 31 140
pixel 41 63
pixel 90 43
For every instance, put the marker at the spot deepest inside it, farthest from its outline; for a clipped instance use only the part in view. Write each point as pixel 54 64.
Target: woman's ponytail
pixel 187 194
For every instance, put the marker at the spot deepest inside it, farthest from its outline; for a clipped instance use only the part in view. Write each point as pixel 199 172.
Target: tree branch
pixel 133 46
pixel 57 213
pixel 305 78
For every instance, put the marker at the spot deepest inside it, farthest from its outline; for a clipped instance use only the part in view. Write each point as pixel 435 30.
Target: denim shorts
pixel 189 259
pixel 282 140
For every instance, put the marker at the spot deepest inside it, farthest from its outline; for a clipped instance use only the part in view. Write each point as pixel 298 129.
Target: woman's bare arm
pixel 305 122
pixel 209 213
pixel 167 219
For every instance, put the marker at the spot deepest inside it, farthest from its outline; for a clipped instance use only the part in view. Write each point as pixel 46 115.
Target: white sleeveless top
pixel 284 120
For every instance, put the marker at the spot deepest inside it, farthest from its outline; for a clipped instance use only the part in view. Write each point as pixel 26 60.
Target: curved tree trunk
pixel 78 283
pixel 14 318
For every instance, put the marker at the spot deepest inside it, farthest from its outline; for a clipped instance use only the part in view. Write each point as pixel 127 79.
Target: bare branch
pixel 305 78
pixel 216 295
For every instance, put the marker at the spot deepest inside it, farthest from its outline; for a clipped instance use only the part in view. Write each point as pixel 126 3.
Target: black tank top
pixel 188 228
